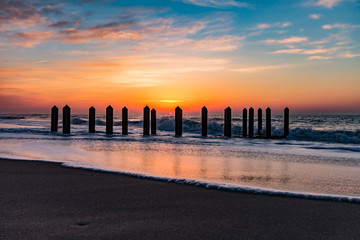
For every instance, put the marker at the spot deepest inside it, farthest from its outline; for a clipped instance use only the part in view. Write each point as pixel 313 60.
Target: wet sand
pixel 41 200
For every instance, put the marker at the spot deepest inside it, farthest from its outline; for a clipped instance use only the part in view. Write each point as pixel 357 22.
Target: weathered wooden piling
pixel 66 119
pixel 244 129
pixel 286 122
pixel 109 120
pixel 259 121
pixel 125 121
pixel 227 122
pixel 146 121
pixel 92 120
pixel 251 122
pixel 54 118
pixel 204 120
pixel 153 121
pixel 268 122
pixel 178 121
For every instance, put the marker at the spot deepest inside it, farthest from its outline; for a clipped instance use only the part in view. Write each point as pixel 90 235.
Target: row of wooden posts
pixel 178 121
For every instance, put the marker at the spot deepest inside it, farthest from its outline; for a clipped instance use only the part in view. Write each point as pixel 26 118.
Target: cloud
pixel 261 68
pixel 325 3
pixel 340 25
pixel 262 26
pixel 218 3
pixel 289 51
pixel 292 39
pixel 18 12
pixel 315 16
pixel 319 58
pixel 223 43
pixel 65 24
pixel 319 50
pixel 348 55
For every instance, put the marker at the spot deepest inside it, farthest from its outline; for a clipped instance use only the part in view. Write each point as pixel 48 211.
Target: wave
pixel 335 136
pixel 12 117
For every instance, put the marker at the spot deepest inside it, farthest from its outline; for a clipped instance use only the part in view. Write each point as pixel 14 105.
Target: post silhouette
pixel 178 121
pixel 268 122
pixel 92 120
pixel 286 122
pixel 54 118
pixel 153 121
pixel 244 130
pixel 259 121
pixel 227 122
pixel 146 121
pixel 109 120
pixel 66 119
pixel 204 120
pixel 125 121
pixel 251 122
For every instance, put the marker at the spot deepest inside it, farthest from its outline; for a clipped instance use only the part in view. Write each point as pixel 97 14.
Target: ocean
pixel 320 159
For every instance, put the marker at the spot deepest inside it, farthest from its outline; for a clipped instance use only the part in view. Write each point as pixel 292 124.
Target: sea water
pixel 319 159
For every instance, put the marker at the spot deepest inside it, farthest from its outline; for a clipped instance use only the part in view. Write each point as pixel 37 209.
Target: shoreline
pixel 214 185
pixel 54 202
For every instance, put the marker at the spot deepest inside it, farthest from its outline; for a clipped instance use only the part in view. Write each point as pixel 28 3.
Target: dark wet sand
pixel 47 201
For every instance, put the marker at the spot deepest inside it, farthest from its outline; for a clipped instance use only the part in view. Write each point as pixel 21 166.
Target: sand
pixel 41 200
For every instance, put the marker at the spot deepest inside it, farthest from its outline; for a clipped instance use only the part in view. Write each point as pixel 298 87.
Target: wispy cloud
pixel 318 50
pixel 324 3
pixel 262 26
pixel 315 16
pixel 319 58
pixel 339 25
pixel 218 3
pixel 292 39
pixel 289 51
pixel 257 69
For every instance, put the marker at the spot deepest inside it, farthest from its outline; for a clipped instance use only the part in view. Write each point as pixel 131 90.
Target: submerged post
pixel 178 121
pixel 227 122
pixel 259 121
pixel 153 121
pixel 92 120
pixel 204 119
pixel 54 118
pixel 125 121
pixel 244 130
pixel 268 122
pixel 146 120
pixel 66 119
pixel 286 122
pixel 109 120
pixel 251 122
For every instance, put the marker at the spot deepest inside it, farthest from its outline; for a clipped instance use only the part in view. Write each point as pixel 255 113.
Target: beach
pixel 41 200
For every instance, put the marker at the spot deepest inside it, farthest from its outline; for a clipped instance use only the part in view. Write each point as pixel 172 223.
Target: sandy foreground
pixel 41 200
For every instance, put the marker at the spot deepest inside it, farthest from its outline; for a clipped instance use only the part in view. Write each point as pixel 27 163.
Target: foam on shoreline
pixel 214 185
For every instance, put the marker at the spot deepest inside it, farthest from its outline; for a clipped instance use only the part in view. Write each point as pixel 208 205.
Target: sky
pixel 301 54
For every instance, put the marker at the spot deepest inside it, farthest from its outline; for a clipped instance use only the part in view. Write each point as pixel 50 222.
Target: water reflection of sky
pixel 213 163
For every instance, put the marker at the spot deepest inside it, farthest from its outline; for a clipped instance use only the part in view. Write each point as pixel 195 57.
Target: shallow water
pixel 290 165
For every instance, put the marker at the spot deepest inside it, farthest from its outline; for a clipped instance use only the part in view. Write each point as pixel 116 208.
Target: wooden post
pixel 146 121
pixel 268 122
pixel 251 122
pixel 178 121
pixel 109 120
pixel 125 121
pixel 92 120
pixel 227 122
pixel 54 118
pixel 153 121
pixel 204 119
pixel 259 121
pixel 66 119
pixel 286 122
pixel 244 130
